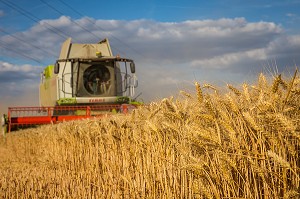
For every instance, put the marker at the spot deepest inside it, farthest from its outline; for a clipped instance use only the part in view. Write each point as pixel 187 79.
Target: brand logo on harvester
pixel 97 100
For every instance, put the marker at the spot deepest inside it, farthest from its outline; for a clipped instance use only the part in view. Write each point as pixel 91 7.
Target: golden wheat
pixel 243 144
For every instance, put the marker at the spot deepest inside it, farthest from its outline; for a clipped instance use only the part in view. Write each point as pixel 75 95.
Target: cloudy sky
pixel 173 43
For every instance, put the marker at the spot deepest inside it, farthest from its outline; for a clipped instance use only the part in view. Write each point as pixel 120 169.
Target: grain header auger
pixel 86 81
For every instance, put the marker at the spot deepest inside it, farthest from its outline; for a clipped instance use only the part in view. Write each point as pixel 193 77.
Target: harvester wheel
pixel 4 130
pixel 3 124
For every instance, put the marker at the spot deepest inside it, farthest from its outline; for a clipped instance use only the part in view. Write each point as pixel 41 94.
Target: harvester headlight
pixel 98 54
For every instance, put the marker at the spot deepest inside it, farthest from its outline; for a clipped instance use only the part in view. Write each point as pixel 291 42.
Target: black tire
pixel 3 125
pixel 4 130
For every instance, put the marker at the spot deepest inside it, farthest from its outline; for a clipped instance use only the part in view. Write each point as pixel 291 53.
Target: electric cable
pixel 19 53
pixel 92 22
pixel 23 41
pixel 77 24
pixel 53 8
pixel 34 18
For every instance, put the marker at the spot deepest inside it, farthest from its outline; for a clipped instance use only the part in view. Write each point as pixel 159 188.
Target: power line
pixel 53 8
pixel 116 38
pixel 57 31
pixel 77 24
pixel 23 41
pixel 78 13
pixel 3 45
pixel 34 18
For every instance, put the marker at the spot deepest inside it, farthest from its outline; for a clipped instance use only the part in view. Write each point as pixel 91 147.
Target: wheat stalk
pixel 199 92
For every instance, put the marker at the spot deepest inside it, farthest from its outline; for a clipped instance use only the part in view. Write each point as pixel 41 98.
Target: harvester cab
pixel 88 74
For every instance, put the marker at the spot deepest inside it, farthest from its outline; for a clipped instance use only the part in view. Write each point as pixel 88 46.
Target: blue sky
pixel 173 42
pixel 281 12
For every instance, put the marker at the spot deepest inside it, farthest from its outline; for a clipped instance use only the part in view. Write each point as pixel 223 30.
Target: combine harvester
pixel 86 81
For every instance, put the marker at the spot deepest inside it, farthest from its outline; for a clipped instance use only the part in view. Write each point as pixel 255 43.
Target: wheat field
pixel 241 143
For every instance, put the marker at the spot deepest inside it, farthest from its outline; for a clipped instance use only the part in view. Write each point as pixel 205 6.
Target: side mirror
pixel 132 67
pixel 56 68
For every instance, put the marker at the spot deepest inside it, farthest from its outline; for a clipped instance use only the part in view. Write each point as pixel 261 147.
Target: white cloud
pixel 19 85
pixel 180 41
pixel 231 59
pixel 8 67
pixel 16 79
pixel 291 15
pixel 167 54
